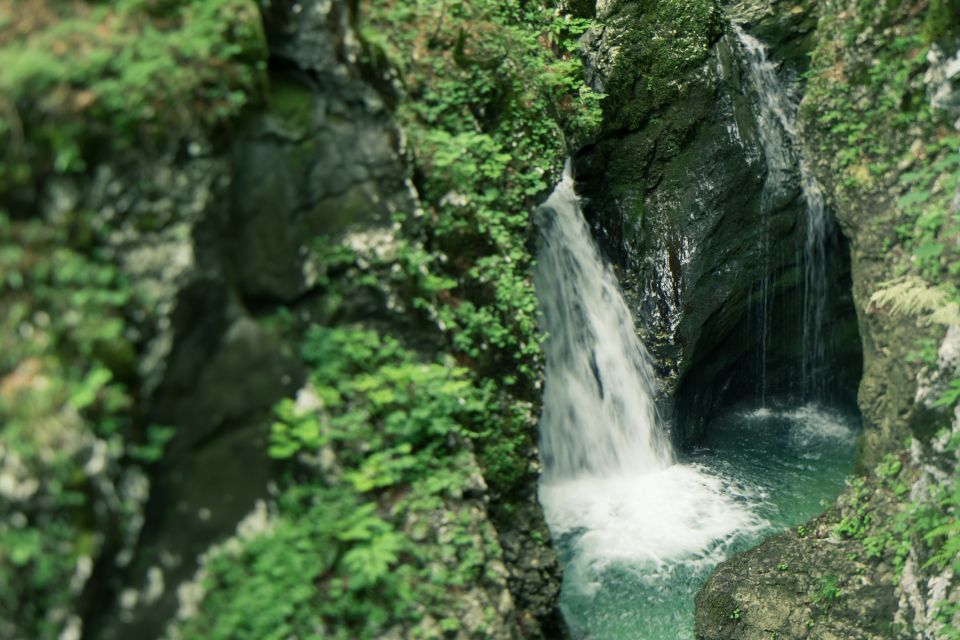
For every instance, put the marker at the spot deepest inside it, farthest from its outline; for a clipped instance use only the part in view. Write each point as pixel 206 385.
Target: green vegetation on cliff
pixel 390 449
pixel 662 42
pixel 883 133
pixel 80 81
pixel 82 78
pixel 373 530
pixel 380 519
pixel 65 409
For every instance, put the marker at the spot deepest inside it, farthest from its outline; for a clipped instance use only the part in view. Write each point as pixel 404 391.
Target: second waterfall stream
pixel 614 496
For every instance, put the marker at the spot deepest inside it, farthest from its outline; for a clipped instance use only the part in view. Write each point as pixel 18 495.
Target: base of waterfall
pixel 637 546
pixel 651 522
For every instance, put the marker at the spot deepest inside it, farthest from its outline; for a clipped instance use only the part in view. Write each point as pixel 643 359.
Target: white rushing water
pixel 777 123
pixel 611 488
pixel 598 416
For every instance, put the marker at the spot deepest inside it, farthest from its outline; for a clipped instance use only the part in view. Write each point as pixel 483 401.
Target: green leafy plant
pixel 828 591
pixel 382 443
pixel 133 71
pixel 952 394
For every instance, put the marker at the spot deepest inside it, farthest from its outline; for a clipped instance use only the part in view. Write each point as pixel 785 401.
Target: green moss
pixel 664 40
pixel 292 102
pixel 942 21
pixel 828 591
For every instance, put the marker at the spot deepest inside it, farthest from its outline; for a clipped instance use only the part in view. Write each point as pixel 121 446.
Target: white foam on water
pixel 762 413
pixel 814 424
pixel 650 523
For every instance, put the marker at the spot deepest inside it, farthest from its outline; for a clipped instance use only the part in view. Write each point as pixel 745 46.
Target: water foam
pixel 650 523
pixel 814 424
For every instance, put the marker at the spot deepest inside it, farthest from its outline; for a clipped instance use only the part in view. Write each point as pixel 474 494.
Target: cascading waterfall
pixel 638 525
pixel 598 411
pixel 818 228
pixel 612 491
pixel 777 118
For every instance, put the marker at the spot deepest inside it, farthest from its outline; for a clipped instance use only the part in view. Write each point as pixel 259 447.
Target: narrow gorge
pixel 493 319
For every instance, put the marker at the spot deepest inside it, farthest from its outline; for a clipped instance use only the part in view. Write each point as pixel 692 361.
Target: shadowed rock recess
pixel 677 189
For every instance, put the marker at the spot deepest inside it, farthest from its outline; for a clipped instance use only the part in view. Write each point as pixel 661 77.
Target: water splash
pixel 683 517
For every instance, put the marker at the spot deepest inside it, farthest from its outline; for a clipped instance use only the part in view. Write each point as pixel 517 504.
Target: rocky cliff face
pixel 231 249
pixel 680 193
pixel 677 183
pixel 202 274
pixel 874 120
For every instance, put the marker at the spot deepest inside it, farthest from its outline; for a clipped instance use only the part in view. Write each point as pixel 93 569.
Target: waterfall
pixel 777 120
pixel 614 496
pixel 599 416
pixel 775 117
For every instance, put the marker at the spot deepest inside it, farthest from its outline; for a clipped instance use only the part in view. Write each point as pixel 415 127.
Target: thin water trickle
pixel 777 123
pixel 775 115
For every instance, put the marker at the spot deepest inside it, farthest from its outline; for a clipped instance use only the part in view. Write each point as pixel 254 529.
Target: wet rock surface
pixel 867 553
pixel 798 587
pixel 677 203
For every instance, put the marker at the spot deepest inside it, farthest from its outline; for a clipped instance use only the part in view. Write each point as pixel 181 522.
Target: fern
pixel 911 296
pixel 368 564
pixel 951 395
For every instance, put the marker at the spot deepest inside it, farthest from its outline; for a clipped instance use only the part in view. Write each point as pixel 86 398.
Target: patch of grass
pixel 828 591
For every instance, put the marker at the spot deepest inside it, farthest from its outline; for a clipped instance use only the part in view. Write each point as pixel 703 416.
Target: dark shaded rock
pixel 713 272
pixel 580 8
pixel 314 164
